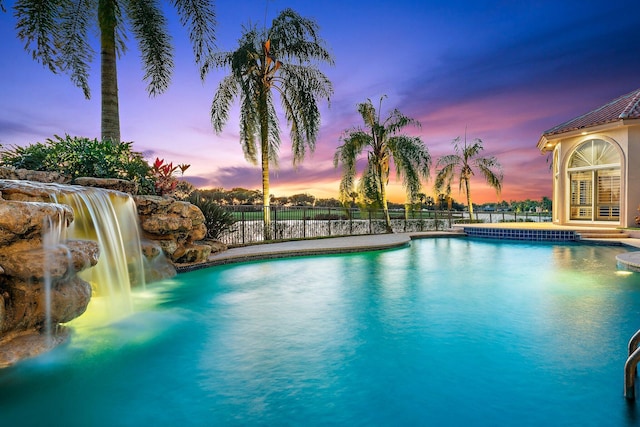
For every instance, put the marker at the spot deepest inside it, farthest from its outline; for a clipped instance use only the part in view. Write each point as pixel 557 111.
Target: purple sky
pixel 505 70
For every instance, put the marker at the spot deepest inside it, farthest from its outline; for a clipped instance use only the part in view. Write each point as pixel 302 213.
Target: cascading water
pixel 73 254
pixel 54 232
pixel 109 218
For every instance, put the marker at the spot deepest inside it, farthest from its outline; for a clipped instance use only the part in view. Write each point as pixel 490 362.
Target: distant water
pixel 446 332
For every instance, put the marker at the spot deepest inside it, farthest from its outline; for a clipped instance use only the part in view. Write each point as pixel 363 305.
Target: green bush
pixel 79 156
pixel 216 219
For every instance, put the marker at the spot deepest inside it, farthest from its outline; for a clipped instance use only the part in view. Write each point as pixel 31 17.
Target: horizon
pixel 505 72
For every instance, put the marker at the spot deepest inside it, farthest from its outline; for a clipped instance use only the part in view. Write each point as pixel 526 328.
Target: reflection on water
pixel 451 332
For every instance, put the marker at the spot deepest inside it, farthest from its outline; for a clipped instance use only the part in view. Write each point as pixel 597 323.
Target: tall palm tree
pixel 281 60
pixel 383 144
pixel 57 34
pixel 461 164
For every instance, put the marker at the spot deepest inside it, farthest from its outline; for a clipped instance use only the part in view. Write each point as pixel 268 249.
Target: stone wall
pixel 26 268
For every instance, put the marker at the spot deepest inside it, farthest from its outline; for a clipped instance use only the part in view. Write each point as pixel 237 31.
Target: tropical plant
pixel 461 164
pixel 384 145
pixel 281 60
pixel 57 34
pixel 79 157
pixel 217 220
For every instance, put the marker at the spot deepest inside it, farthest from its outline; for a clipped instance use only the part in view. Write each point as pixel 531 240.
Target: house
pixel 596 165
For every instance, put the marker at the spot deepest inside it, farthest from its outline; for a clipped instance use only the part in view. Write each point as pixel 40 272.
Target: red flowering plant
pixel 165 181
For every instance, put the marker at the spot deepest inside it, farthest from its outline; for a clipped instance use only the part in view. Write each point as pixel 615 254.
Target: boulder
pixel 177 226
pixel 115 184
pixel 9 172
pixel 27 275
pixel 25 221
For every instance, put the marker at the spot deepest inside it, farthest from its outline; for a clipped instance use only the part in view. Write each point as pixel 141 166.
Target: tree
pixel 57 34
pixel 461 164
pixel 281 60
pixel 383 144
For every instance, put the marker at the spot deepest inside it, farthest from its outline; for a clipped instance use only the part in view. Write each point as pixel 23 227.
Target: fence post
pixel 274 222
pixel 406 217
pixel 329 221
pixel 351 213
pixel 243 225
pixel 370 225
pixel 304 222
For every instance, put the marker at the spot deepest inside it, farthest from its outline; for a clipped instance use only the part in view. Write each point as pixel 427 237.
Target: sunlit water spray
pixel 54 233
pixel 110 219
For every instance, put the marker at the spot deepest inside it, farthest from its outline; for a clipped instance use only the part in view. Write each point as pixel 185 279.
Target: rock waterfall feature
pixel 65 249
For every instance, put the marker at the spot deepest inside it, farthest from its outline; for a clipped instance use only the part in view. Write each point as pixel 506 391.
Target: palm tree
pixel 57 34
pixel 461 164
pixel 383 144
pixel 280 60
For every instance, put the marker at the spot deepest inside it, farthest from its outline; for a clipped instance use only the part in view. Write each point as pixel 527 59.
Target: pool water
pixel 445 332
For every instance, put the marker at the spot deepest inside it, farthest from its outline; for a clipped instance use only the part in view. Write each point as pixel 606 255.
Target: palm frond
pixel 200 18
pixel 149 27
pixel 492 172
pixel 412 162
pixel 347 155
pixel 76 54
pixel 444 177
pixel 473 149
pixel 368 113
pixel 38 28
pixel 224 96
pixel 295 39
pixel 398 121
pixel 249 130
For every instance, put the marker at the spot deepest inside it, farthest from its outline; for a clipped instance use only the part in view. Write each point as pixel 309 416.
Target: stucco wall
pixel 630 197
pixel 633 175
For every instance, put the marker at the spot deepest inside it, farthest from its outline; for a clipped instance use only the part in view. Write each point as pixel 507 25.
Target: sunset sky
pixel 504 70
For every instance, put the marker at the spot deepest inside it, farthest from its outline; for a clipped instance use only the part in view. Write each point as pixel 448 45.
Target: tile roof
pixel 625 107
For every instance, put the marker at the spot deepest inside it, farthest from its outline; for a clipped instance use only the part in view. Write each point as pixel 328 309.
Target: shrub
pixel 79 156
pixel 165 181
pixel 217 220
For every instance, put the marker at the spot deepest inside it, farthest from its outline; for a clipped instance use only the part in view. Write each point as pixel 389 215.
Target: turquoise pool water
pixel 446 332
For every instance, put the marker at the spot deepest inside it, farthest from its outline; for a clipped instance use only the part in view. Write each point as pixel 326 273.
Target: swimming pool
pixel 445 332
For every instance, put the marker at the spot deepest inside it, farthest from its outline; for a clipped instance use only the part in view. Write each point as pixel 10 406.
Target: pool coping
pixel 371 242
pixel 324 246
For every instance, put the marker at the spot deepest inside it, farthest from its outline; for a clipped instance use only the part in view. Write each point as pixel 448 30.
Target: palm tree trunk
pixel 110 116
pixel 469 204
pixel 264 148
pixel 385 209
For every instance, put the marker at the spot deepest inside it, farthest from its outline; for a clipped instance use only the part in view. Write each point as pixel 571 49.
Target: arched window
pixel 594 174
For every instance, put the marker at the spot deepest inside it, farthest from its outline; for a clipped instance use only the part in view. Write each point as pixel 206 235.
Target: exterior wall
pixel 633 176
pixel 619 137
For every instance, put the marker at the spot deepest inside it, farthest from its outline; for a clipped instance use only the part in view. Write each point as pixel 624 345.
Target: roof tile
pixel 624 107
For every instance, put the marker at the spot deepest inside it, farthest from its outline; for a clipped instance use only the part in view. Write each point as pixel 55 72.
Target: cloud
pixel 566 56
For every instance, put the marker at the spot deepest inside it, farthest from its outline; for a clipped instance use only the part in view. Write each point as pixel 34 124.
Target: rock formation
pixel 29 273
pixel 39 283
pixel 176 226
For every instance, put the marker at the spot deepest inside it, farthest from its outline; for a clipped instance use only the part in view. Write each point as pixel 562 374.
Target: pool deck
pixel 333 245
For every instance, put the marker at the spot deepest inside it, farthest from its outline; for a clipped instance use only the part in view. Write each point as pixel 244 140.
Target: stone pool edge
pixel 325 246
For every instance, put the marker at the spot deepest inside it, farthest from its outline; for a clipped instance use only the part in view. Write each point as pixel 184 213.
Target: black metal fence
pixel 306 222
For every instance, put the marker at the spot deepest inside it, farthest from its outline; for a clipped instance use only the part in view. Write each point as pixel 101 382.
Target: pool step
pixel 596 233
